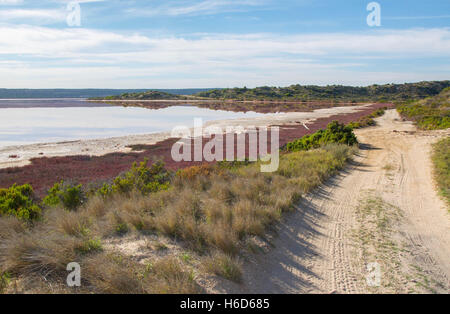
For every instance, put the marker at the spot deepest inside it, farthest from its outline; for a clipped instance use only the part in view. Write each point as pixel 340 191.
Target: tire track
pixel 314 251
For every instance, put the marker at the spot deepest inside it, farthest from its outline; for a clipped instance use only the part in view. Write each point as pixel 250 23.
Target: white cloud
pixel 41 16
pixel 430 17
pixel 10 2
pixel 70 42
pixel 79 1
pixel 192 8
pixel 91 58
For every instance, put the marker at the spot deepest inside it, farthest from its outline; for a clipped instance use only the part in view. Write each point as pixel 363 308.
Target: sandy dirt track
pixel 321 247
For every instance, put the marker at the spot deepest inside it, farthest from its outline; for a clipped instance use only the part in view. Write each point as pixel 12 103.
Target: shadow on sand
pixel 286 267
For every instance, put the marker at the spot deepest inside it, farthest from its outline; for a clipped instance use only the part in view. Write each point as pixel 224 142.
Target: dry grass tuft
pixel 11 227
pixel 224 266
pixel 169 276
pixel 40 253
pixel 111 274
pixel 107 273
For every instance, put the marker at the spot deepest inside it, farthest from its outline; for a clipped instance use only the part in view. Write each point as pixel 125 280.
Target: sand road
pixel 384 208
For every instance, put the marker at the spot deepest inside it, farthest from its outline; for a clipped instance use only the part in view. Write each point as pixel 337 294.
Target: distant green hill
pixel 303 93
pixel 388 92
pixel 429 113
pixel 147 95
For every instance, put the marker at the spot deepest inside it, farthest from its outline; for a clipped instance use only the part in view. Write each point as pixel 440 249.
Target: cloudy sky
pixel 220 43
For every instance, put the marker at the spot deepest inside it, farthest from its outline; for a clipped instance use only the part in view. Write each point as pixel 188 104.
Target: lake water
pixel 55 120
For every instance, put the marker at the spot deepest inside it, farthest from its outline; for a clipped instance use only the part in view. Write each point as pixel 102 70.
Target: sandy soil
pixel 18 156
pixel 384 209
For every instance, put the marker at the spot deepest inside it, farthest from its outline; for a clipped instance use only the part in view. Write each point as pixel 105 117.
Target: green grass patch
pixel 441 161
pixel 429 114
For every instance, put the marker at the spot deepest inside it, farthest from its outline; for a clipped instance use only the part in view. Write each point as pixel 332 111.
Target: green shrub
pixel 378 113
pixel 18 201
pixel 334 133
pixel 105 191
pixel 362 123
pixel 69 196
pixel 122 228
pixel 142 178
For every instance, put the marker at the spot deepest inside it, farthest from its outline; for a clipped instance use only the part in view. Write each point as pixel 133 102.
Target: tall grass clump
pixel 224 265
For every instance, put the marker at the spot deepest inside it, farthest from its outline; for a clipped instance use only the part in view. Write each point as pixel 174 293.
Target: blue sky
pixel 221 43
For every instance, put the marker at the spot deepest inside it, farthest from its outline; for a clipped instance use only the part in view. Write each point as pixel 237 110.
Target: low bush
pixel 362 123
pixel 71 197
pixel 334 133
pixel 141 178
pixel 195 171
pixel 18 201
pixel 378 113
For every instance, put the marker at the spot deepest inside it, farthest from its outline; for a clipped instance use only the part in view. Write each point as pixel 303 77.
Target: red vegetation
pixel 43 172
